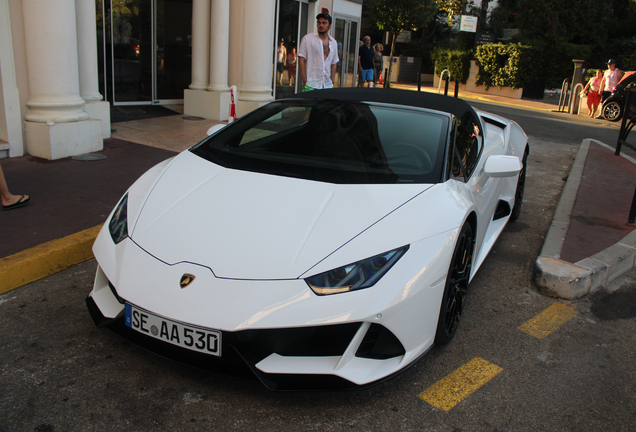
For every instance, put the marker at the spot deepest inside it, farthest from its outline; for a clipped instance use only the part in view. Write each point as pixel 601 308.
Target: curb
pixel 45 259
pixel 473 95
pixel 558 278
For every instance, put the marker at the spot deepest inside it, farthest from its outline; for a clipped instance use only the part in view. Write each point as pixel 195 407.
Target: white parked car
pixel 322 241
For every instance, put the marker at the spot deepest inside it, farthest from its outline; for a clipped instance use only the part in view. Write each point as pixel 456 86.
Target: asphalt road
pixel 60 373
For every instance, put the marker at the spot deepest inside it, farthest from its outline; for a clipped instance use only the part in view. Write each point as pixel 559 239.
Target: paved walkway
pixel 587 245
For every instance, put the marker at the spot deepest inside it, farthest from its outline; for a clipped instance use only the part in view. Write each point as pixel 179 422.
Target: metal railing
pixel 564 95
pixel 573 98
pixel 441 77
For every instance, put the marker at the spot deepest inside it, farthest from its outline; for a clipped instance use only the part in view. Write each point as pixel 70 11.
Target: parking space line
pixel 460 384
pixel 549 320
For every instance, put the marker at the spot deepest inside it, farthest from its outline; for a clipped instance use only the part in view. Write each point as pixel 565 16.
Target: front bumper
pixel 276 357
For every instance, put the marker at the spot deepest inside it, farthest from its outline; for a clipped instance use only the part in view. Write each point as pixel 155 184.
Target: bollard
pixel 456 88
pixel 446 86
pixel 632 211
pixel 622 134
pixel 419 81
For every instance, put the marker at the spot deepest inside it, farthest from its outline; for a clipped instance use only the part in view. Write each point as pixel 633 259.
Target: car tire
pixel 613 109
pixel 521 186
pixel 456 287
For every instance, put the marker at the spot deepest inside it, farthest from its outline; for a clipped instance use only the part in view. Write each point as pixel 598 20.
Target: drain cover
pixel 89 157
pixel 193 118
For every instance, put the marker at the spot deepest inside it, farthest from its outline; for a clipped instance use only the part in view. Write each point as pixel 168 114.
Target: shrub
pixel 456 61
pixel 503 65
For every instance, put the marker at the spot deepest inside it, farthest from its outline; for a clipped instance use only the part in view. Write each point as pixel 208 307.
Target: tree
pixel 397 16
pixel 452 7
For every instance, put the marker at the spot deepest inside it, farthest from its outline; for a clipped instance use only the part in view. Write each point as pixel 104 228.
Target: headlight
pixel 359 275
pixel 118 225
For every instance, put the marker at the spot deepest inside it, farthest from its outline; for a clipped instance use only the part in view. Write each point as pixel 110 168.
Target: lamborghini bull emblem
pixel 186 280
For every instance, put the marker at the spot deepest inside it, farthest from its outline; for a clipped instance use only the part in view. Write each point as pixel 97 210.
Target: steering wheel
pixel 407 158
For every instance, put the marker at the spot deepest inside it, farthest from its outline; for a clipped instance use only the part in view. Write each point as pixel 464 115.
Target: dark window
pixel 335 142
pixel 468 144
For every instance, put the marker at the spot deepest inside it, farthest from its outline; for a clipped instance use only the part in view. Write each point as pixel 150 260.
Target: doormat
pixel 138 112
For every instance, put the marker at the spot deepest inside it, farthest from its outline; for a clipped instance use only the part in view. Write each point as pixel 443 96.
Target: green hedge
pixel 456 61
pixel 504 65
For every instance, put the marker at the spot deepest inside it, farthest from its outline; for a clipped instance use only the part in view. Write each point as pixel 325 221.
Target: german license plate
pixel 194 338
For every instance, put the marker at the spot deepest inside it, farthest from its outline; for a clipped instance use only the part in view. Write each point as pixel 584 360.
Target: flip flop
pixel 22 201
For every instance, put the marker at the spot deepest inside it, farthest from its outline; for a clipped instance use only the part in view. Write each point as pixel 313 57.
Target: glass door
pixel 347 34
pixel 173 56
pixel 148 50
pixel 291 27
pixel 131 51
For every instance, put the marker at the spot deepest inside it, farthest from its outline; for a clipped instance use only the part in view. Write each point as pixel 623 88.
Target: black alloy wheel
pixel 521 186
pixel 613 110
pixel 454 297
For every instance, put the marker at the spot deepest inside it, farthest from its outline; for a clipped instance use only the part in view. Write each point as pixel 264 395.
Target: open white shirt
pixel 318 68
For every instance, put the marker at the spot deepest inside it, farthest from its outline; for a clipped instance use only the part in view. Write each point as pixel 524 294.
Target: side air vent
pixel 503 210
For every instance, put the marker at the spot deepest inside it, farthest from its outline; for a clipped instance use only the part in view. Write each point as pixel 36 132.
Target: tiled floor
pixel 176 133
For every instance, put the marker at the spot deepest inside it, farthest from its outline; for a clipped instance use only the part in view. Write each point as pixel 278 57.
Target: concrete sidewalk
pixel 71 198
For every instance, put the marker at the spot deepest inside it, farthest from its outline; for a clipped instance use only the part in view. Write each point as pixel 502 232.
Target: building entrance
pixel 145 50
pixel 347 34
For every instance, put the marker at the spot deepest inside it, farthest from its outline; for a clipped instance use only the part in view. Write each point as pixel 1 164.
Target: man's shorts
pixel 366 75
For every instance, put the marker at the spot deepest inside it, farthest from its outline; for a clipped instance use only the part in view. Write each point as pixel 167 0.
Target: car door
pixel 469 156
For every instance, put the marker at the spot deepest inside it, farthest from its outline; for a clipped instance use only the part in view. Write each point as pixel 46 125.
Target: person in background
pixel 281 58
pixel 593 91
pixel 378 62
pixel 10 201
pixel 365 62
pixel 291 66
pixel 318 56
pixel 611 77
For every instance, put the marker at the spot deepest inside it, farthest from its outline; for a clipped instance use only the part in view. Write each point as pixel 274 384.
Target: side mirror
pixel 500 166
pixel 214 129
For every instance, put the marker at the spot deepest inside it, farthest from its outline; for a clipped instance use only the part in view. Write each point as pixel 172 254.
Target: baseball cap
pixel 611 61
pixel 325 16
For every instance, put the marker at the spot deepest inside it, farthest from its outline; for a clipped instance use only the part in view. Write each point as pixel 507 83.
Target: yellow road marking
pixel 549 320
pixel 460 384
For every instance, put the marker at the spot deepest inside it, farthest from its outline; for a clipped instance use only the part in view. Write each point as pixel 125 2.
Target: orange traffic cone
pixel 380 81
pixel 232 104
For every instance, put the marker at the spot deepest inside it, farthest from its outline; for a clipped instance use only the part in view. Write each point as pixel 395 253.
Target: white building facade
pixel 65 63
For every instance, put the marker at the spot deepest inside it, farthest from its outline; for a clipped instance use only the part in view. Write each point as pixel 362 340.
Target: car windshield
pixel 335 142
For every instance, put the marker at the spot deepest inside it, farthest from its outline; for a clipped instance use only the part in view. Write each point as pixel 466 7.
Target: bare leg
pixel 7 197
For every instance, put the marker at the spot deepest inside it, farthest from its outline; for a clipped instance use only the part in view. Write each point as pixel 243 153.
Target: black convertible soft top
pixel 427 100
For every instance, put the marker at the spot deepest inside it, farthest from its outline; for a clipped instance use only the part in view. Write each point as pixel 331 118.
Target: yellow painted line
pixel 460 384
pixel 549 320
pixel 45 259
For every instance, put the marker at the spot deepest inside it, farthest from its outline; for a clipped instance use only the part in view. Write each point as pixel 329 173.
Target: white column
pixel 200 43
pixel 88 69
pixel 57 125
pixel 257 54
pixel 51 53
pixel 10 117
pixel 215 103
pixel 87 50
pixel 219 45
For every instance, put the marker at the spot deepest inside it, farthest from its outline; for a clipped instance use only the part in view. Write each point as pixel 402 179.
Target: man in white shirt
pixel 611 77
pixel 318 56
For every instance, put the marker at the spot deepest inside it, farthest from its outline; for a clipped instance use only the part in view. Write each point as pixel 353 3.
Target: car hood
pixel 245 225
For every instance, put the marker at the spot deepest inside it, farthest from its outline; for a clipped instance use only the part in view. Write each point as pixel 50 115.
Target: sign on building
pixel 468 23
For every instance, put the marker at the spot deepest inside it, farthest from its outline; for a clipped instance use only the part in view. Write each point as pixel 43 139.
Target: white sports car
pixel 321 241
